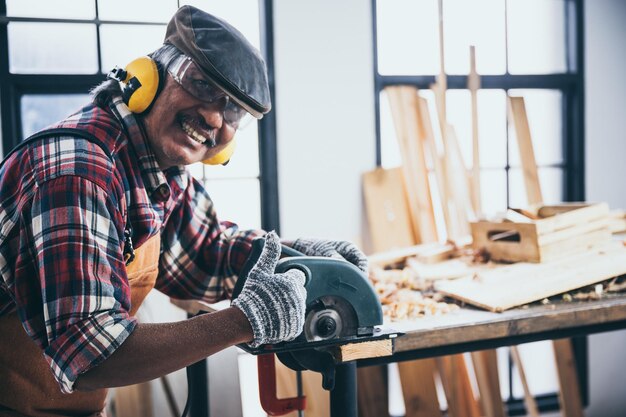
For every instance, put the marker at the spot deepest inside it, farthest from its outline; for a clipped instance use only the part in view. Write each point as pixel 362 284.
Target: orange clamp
pixel 267 389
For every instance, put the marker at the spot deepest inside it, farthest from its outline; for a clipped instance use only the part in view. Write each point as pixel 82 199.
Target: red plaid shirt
pixel 63 210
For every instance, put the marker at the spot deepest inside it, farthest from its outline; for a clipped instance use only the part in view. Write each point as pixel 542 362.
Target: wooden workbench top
pixel 469 324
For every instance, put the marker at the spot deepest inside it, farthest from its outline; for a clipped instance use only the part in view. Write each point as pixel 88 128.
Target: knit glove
pixel 333 249
pixel 273 303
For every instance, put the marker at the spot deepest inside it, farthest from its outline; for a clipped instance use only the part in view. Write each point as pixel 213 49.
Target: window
pixel 53 52
pixel 529 48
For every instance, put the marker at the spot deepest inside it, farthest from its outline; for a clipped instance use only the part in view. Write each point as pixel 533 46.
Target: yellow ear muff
pixel 140 84
pixel 223 156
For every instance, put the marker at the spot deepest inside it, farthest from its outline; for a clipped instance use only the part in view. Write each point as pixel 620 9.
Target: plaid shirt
pixel 63 210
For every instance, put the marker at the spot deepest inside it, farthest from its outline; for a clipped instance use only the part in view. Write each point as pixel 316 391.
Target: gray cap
pixel 224 54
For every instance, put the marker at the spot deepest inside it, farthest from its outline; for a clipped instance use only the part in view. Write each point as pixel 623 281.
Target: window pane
pixel 242 14
pixel 550 179
pixel 137 10
pixel 390 150
pixel 479 23
pixel 493 191
pixel 544 111
pixel 539 368
pixel 408 37
pixel 67 9
pixel 39 110
pixel 459 115
pixel 536 36
pixel 492 128
pixel 43 48
pixel 491 125
pixel 145 39
pixel 238 201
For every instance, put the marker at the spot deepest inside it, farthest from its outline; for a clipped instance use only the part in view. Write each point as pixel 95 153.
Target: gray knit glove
pixel 333 249
pixel 273 303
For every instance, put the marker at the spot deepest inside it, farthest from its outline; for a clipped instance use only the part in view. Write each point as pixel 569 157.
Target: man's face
pixel 178 122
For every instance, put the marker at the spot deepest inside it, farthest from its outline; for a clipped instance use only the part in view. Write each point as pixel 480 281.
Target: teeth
pixel 193 133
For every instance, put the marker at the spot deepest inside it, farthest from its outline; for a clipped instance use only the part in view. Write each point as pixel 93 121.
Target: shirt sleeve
pixel 202 256
pixel 78 243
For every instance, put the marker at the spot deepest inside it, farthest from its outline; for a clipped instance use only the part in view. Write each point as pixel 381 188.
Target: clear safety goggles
pixel 187 74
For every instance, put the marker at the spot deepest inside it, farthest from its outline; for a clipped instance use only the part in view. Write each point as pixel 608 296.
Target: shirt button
pixel 164 192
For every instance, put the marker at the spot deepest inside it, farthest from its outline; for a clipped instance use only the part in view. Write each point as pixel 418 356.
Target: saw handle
pixel 272 405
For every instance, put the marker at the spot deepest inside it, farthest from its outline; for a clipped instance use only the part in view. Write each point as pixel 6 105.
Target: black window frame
pixel 571 85
pixel 14 86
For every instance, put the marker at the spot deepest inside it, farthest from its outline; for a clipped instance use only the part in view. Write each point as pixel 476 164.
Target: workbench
pixel 470 329
pixel 464 330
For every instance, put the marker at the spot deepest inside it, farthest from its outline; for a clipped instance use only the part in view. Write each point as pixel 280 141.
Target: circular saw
pixel 341 308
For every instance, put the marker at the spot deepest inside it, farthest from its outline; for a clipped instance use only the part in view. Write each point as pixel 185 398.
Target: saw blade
pixel 330 318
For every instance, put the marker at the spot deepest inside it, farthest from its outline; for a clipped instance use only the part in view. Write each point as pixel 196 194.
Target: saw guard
pixel 272 405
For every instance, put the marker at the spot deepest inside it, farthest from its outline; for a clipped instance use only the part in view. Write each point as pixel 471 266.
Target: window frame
pixel 571 85
pixel 14 86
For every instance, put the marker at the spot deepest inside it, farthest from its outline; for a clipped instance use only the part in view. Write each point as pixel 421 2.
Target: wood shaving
pixel 404 296
pixel 409 304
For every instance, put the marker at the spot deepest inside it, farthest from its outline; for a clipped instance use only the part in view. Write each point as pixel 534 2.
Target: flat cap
pixel 224 54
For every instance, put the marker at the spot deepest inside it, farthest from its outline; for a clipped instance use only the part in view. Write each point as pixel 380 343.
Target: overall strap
pixel 59 132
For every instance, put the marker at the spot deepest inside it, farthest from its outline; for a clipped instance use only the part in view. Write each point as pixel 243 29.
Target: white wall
pixel 324 97
pixel 605 67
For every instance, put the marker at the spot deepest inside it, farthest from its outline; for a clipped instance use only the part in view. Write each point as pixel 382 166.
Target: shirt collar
pixel 153 177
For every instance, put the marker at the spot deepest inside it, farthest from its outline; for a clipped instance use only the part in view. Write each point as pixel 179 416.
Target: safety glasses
pixel 192 80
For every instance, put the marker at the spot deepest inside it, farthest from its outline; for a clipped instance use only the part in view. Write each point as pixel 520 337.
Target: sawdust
pixel 404 295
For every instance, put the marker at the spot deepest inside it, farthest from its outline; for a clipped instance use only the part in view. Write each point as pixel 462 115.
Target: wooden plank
pixel 456 384
pixel 387 209
pixel 425 253
pixel 418 388
pixel 561 208
pixel 486 369
pixel 473 85
pixel 372 394
pixel 438 161
pixel 532 282
pixel 569 399
pixel 566 219
pixel 403 101
pixel 354 351
pixel 517 110
pixel 529 400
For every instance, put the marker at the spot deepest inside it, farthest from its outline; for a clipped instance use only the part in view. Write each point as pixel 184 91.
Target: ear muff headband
pixel 140 83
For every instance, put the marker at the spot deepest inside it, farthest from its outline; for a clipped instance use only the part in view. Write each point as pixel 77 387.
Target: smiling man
pixel 99 209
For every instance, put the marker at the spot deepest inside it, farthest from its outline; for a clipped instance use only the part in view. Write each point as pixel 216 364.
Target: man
pixel 99 210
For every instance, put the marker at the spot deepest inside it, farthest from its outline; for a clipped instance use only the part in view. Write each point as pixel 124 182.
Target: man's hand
pixel 273 303
pixel 332 249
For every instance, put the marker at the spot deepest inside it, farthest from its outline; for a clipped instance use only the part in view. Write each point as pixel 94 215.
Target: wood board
pixel 569 397
pixel 517 112
pixel 387 209
pixel 513 285
pixel 486 368
pixel 405 111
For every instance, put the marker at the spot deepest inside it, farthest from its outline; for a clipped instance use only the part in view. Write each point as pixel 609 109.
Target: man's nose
pixel 212 114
